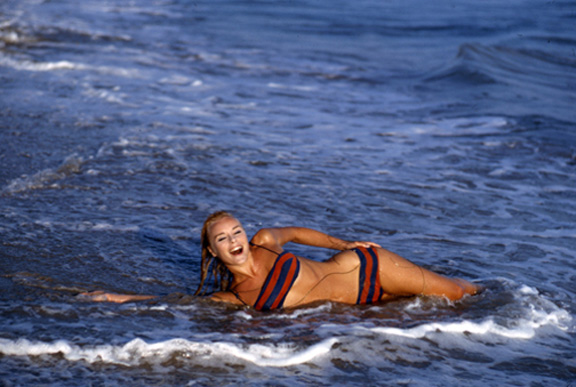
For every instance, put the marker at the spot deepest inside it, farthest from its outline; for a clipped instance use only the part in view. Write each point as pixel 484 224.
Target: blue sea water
pixel 443 130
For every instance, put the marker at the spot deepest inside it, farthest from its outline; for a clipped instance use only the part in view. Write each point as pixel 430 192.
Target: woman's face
pixel 228 241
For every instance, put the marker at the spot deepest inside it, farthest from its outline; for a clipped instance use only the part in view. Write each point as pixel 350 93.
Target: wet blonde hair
pixel 210 264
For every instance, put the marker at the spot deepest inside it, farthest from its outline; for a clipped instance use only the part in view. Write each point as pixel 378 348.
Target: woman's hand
pixel 101 296
pixel 355 244
pixel 96 296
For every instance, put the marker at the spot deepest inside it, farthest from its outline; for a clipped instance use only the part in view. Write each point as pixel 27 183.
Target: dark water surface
pixel 443 130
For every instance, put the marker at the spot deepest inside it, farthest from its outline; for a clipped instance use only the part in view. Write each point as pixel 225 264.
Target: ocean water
pixel 444 131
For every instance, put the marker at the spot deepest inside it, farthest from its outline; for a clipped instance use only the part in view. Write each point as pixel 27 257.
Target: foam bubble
pixel 524 289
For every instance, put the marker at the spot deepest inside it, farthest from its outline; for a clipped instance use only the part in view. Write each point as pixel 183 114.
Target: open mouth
pixel 237 250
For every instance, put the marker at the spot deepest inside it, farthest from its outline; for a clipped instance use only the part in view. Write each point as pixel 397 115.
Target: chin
pixel 238 259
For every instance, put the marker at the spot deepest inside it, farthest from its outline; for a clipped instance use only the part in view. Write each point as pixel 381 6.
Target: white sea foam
pixel 10 37
pixel 531 312
pixel 277 355
pixel 137 351
pixel 85 226
pixel 525 330
pixel 112 96
pixel 297 313
pixel 37 66
pixel 40 66
pixel 45 177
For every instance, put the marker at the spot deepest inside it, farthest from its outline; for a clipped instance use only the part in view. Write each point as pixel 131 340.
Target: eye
pixel 220 239
pixel 238 232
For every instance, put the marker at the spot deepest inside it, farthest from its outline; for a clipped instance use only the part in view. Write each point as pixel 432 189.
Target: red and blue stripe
pixel 278 282
pixel 369 288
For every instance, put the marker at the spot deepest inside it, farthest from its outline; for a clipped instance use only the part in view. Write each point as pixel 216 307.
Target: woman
pixel 260 273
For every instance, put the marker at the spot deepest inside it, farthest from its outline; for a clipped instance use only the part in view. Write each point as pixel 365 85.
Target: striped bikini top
pixel 278 282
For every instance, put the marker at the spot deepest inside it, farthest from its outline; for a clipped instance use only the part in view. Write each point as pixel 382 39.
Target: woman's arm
pixel 278 237
pixel 100 296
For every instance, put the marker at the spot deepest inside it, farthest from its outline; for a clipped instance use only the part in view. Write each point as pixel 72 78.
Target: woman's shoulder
pixel 274 238
pixel 264 237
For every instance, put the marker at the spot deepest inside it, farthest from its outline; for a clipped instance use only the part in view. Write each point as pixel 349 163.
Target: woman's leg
pixel 398 276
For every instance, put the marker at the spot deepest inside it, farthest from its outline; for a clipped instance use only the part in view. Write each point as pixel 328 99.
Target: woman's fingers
pixel 372 244
pixel 366 244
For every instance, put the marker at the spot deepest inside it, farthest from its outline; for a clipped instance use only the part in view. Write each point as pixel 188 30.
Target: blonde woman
pixel 261 274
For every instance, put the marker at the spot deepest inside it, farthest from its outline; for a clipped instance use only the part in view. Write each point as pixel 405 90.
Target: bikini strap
pixel 238 297
pixel 264 247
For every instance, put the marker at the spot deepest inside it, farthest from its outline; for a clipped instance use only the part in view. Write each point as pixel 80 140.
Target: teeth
pixel 236 250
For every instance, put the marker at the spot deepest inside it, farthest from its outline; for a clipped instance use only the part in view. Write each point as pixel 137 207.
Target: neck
pixel 244 271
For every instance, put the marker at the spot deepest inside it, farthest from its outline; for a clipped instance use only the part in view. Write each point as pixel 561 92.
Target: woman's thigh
pixel 399 276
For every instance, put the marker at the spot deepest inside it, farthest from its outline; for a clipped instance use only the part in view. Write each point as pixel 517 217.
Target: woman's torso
pixel 335 279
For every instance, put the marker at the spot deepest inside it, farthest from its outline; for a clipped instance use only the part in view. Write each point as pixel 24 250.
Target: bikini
pixel 278 282
pixel 286 268
pixel 369 289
